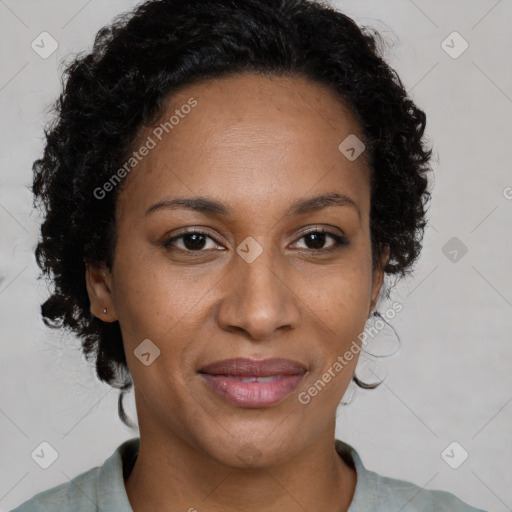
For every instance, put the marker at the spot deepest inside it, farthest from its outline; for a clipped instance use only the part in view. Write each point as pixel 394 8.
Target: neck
pixel 171 471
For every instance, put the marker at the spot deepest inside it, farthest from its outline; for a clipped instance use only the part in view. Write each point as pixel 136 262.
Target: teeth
pixel 258 379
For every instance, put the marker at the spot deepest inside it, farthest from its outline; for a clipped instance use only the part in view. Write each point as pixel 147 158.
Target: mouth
pixel 252 383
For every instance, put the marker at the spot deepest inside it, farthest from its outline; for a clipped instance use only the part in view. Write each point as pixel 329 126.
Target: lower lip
pixel 253 394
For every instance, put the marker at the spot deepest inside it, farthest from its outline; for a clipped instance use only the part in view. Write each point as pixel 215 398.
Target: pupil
pixel 198 241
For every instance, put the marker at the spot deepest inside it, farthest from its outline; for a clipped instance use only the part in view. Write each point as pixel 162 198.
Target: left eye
pixel 318 238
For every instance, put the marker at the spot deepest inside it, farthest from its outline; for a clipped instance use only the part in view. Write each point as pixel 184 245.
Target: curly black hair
pixel 145 55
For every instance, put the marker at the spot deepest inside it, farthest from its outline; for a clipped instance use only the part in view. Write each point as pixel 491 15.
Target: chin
pixel 247 452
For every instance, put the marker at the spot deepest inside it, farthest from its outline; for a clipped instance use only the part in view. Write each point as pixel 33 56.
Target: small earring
pixel 105 311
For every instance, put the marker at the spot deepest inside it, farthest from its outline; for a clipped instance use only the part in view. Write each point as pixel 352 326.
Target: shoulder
pixel 413 498
pixel 99 488
pixel 77 495
pixel 375 492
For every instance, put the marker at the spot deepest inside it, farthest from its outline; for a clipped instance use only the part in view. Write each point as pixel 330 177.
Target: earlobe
pixel 98 282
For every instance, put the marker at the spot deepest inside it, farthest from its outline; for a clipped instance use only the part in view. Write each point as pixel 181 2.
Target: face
pixel 247 265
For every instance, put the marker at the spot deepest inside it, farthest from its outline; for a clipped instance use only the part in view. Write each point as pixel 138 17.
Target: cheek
pixel 339 313
pixel 150 297
pixel 339 307
pixel 340 298
pixel 162 305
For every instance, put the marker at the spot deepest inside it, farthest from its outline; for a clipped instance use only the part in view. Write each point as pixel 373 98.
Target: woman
pixel 225 187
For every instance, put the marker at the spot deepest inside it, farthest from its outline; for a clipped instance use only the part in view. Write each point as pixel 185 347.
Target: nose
pixel 259 298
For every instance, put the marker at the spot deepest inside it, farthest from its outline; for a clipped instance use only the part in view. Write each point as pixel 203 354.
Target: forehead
pixel 248 138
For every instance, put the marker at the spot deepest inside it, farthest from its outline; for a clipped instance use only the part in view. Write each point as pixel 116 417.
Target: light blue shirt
pixel 101 489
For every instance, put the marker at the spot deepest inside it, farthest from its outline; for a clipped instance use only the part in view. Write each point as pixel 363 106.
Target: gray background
pixel 450 381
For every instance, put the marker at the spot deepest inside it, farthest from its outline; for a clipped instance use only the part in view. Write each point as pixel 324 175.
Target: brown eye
pixel 193 241
pixel 315 240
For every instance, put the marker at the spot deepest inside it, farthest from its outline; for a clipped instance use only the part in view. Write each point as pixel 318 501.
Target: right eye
pixel 190 241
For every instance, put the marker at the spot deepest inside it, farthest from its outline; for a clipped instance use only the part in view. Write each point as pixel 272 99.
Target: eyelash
pixel 338 241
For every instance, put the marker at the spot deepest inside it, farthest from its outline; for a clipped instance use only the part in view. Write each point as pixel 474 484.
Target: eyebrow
pixel 299 207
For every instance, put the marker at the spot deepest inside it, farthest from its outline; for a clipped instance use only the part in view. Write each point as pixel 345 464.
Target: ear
pixel 378 277
pixel 98 280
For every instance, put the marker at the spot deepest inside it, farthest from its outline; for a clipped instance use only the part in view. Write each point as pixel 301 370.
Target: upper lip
pixel 243 367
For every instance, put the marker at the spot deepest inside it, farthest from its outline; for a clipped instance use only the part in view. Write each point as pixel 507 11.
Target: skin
pixel 255 144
